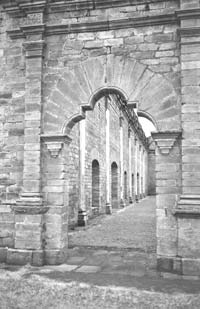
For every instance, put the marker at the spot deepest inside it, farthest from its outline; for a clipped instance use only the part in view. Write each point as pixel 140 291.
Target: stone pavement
pixel 95 275
pixel 130 227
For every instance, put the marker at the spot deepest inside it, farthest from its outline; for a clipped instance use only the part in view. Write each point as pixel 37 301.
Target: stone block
pixel 55 257
pixel 165 264
pixel 166 201
pixel 38 258
pixel 19 257
pixel 3 255
pixel 54 198
pixel 189 237
pixel 191 267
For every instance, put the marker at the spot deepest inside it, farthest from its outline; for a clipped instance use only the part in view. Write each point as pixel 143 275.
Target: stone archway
pixel 95 186
pixel 77 89
pixel 114 185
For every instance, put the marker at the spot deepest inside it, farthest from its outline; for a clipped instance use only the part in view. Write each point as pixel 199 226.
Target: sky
pixel 147 126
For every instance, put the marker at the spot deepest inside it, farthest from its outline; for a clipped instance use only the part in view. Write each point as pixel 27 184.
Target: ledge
pixel 22 7
pixel 187 213
pixel 30 210
pixel 104 25
pixel 56 138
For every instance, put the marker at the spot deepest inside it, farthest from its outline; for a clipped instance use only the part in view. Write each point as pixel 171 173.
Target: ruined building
pixel 72 73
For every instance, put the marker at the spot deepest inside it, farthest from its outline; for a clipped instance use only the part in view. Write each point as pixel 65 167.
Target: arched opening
pixel 114 185
pixel 132 186
pixel 138 187
pixel 147 122
pixel 149 125
pixel 125 186
pixel 114 172
pixel 95 186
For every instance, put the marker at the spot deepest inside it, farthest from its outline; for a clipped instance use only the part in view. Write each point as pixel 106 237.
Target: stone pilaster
pixel 130 164
pixel 108 193
pixel 55 193
pixel 29 224
pixel 136 171
pixel 187 211
pixel 168 186
pixel 82 212
pixel 121 163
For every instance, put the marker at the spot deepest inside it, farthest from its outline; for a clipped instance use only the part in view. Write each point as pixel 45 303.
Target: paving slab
pixel 88 269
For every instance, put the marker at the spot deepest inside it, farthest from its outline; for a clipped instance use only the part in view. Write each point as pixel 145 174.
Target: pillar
pixel 136 170
pixel 29 241
pixel 121 162
pixel 168 186
pixel 140 171
pixel 82 213
pixel 188 207
pixel 55 195
pixel 108 169
pixel 144 173
pixel 130 164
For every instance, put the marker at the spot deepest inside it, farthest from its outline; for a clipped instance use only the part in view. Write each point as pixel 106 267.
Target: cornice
pixel 17 8
pixel 55 29
pixel 188 14
pixel 22 7
pixel 188 32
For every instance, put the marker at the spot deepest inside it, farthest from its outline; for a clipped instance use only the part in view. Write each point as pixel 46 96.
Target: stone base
pixel 130 200
pixel 179 265
pixel 33 257
pixel 82 218
pixel 122 204
pixel 55 257
pixel 23 257
pixel 108 209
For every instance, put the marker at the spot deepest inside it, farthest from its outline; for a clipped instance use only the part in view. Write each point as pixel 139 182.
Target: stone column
pixel 29 210
pixel 82 213
pixel 136 170
pixel 55 192
pixel 168 175
pixel 140 171
pixel 188 208
pixel 130 165
pixel 144 173
pixel 108 192
pixel 121 163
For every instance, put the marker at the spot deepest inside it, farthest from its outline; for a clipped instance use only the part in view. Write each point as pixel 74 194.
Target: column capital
pixel 166 140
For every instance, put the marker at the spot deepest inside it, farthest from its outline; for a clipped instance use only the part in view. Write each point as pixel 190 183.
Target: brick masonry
pixel 56 61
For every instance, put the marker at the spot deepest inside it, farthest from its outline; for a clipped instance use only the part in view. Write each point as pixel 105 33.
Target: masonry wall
pixel 143 62
pixel 12 91
pixel 95 150
pixel 152 52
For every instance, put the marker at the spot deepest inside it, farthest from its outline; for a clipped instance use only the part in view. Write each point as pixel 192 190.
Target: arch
pixel 95 187
pixel 94 98
pixel 81 85
pixel 147 116
pixel 114 185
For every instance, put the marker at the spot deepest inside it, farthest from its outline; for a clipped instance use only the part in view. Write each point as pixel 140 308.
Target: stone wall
pixel 95 150
pixel 56 59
